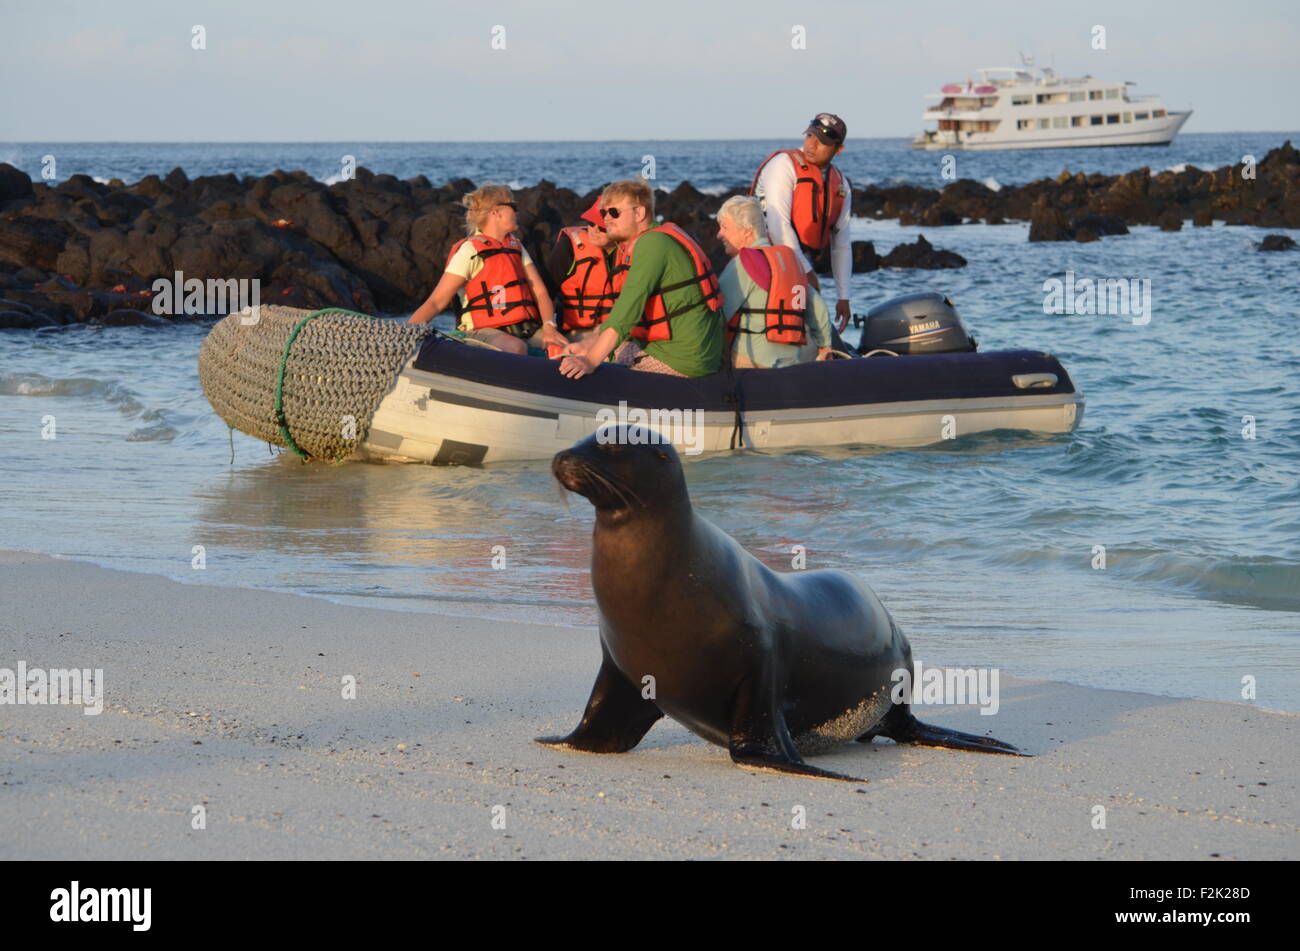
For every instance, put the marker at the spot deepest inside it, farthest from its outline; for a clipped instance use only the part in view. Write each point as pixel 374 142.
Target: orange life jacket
pixel 656 319
pixel 816 203
pixel 499 295
pixel 587 294
pixel 787 298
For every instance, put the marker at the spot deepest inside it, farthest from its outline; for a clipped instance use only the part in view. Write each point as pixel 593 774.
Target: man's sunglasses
pixel 610 212
pixel 835 136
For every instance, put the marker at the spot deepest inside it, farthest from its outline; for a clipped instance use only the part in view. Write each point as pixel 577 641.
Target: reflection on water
pixel 404 532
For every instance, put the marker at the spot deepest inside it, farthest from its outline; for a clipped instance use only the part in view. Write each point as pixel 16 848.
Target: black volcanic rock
pixel 1170 221
pixel 129 318
pixel 937 216
pixel 29 241
pixel 1276 242
pixel 1128 197
pixel 865 258
pixel 1100 224
pixel 376 242
pixel 1048 223
pixel 24 320
pixel 14 184
pixel 921 254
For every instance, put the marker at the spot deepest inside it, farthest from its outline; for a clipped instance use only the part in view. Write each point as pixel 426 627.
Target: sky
pixel 400 70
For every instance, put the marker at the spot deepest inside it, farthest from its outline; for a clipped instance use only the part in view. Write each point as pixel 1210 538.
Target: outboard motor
pixel 915 323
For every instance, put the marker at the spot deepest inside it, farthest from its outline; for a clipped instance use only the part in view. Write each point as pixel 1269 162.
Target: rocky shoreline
pixel 83 251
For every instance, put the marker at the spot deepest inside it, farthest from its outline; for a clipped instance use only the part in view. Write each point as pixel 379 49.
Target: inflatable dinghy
pixel 335 385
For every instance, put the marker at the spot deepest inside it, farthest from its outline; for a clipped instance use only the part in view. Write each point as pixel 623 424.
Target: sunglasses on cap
pixel 824 129
pixel 507 204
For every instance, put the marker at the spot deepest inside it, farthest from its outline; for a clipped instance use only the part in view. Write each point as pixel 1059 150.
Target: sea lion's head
pixel 622 470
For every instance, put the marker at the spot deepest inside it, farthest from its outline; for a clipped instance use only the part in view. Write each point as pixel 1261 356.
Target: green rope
pixel 279 379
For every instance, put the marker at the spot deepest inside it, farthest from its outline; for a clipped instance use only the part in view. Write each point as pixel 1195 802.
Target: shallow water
pixel 983 548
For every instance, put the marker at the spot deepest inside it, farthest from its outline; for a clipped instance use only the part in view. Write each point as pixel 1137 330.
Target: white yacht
pixel 1012 108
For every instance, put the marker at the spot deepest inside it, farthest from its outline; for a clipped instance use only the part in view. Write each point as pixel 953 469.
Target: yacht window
pixel 1096 120
pixel 1077 97
pixel 1128 117
pixel 1021 100
pixel 1094 94
pixel 1112 93
pixel 1142 116
pixel 1044 123
pixel 1112 119
pixel 1060 122
pixel 1077 121
pixel 1158 114
pixel 1024 123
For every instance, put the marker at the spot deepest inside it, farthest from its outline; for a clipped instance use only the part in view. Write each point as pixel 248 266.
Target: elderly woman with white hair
pixel 774 318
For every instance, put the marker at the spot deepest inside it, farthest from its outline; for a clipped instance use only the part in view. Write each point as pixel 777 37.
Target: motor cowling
pixel 915 323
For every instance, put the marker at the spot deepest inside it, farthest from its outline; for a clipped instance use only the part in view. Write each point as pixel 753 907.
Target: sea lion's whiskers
pixel 623 490
pixel 616 487
pixel 606 483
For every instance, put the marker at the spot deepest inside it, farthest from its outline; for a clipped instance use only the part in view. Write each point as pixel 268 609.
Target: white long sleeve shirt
pixel 775 192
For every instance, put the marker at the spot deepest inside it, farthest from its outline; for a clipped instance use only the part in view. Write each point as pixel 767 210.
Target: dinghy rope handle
pixel 733 397
pixel 280 419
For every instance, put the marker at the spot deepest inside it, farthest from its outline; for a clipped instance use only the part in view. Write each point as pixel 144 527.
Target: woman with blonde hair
pixel 503 299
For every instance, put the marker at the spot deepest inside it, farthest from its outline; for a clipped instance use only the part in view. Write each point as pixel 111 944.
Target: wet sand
pixel 232 699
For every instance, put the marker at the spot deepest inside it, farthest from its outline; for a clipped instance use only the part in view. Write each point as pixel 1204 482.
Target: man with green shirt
pixel 668 298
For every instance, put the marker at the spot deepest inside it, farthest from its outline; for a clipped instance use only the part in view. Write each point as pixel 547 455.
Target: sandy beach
pixel 232 699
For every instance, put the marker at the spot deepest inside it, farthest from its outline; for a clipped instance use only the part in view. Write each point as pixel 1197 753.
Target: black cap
pixel 829 129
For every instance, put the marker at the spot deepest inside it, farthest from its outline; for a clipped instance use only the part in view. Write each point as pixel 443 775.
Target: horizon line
pixel 877 138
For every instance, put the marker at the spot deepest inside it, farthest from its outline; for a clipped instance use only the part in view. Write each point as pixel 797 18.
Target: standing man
pixel 807 201
pixel 668 297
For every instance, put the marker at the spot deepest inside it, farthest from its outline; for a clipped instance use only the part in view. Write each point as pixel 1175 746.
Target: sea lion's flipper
pixel 902 727
pixel 760 738
pixel 616 718
pixel 772 763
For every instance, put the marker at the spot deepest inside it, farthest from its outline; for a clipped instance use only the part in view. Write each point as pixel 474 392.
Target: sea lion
pixel 771 666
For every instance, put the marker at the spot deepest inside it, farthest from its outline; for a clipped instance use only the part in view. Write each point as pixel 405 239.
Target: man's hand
pixel 583 356
pixel 823 353
pixel 843 311
pixel 575 366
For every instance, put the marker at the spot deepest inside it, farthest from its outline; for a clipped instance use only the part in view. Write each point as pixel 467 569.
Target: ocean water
pixel 983 548
pixel 712 166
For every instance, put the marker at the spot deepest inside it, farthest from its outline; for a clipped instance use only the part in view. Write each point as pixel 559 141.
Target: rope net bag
pixel 309 381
